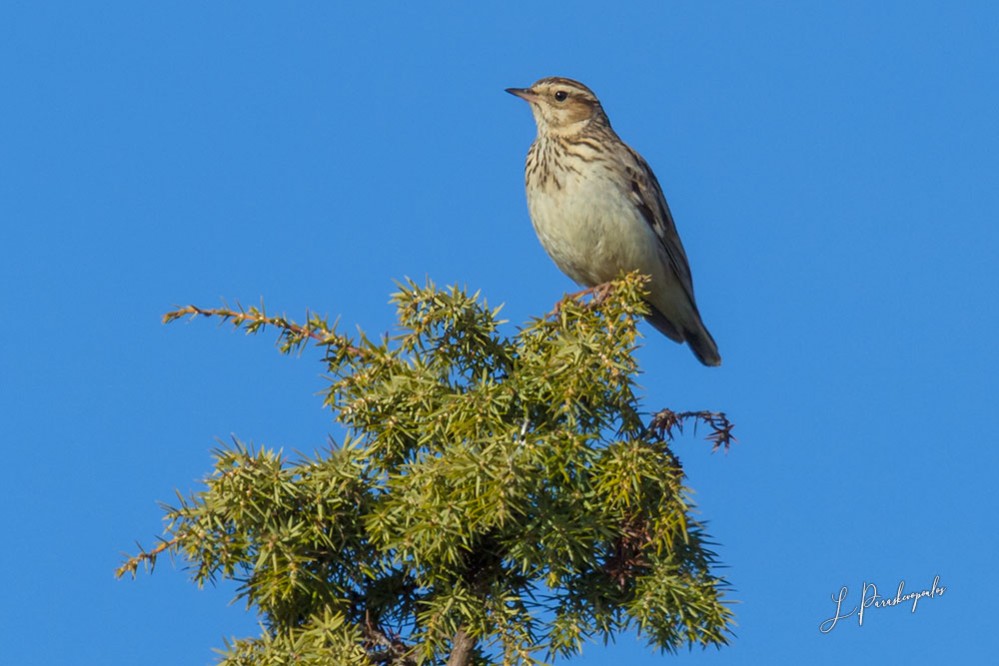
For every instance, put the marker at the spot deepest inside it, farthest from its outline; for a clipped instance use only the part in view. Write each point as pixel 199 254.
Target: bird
pixel 599 211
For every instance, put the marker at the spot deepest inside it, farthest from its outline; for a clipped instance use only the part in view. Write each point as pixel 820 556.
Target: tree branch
pixel 293 335
pixel 461 649
pixel 664 421
pixel 148 557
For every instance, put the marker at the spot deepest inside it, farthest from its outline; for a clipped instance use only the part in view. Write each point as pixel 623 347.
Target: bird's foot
pixel 599 293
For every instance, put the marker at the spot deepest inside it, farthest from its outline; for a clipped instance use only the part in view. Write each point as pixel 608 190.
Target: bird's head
pixel 561 106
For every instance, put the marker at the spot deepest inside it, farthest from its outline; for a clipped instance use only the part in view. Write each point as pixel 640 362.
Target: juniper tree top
pixel 497 498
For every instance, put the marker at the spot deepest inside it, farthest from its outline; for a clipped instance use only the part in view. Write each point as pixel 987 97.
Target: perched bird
pixel 598 209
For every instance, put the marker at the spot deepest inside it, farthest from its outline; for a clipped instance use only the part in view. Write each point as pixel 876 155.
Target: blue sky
pixel 834 173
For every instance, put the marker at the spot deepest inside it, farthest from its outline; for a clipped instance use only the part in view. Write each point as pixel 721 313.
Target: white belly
pixel 592 231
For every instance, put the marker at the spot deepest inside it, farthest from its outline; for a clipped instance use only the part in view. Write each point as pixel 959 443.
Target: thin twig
pixel 665 420
pixel 131 565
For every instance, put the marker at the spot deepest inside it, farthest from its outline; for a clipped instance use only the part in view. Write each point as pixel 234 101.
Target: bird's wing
pixel 647 195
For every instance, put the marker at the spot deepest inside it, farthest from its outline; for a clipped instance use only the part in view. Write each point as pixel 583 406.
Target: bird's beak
pixel 523 93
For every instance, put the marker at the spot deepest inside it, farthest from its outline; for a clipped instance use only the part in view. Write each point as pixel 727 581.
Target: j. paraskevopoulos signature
pixel 869 597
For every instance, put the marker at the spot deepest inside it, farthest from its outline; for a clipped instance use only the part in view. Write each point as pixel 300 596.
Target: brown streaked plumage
pixel 599 211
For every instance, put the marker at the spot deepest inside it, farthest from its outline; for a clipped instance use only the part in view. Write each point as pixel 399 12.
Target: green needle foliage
pixel 496 500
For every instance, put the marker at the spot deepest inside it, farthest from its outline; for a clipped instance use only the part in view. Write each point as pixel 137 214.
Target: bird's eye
pixel 560 95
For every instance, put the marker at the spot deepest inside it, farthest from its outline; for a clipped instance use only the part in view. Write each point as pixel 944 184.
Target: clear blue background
pixel 833 169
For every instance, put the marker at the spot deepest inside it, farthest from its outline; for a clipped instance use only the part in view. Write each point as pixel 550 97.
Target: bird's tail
pixel 697 336
pixel 703 345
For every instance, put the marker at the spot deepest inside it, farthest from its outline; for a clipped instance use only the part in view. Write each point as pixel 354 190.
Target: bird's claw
pixel 599 294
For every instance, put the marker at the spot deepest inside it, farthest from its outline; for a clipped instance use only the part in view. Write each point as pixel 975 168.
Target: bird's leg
pixel 574 296
pixel 599 292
